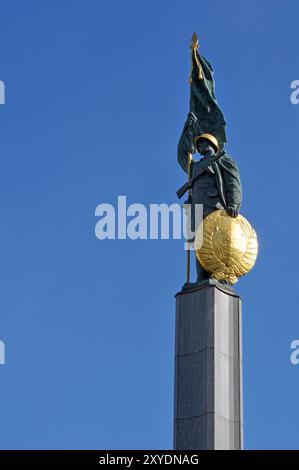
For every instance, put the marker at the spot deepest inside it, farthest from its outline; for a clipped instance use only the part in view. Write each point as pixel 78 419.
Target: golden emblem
pixel 229 246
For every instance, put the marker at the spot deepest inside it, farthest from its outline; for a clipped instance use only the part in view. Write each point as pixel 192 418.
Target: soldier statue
pixel 214 180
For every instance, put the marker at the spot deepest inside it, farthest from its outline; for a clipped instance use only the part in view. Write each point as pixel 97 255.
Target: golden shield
pixel 227 246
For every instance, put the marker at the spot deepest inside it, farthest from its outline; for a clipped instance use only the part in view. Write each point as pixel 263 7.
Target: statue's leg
pixel 202 274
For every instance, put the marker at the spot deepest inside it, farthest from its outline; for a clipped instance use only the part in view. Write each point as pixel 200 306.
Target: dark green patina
pixel 214 179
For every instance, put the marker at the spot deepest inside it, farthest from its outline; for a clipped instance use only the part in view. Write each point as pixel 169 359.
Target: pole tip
pixel 194 41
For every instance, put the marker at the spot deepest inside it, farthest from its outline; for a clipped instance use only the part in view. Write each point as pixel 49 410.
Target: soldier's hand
pixel 190 120
pixel 232 212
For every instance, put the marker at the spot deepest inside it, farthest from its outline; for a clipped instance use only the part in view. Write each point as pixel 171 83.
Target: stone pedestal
pixel 208 370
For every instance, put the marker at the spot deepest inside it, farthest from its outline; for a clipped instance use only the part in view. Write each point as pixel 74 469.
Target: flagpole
pixel 190 160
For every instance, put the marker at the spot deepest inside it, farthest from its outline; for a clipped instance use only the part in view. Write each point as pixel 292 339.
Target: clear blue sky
pixel 96 96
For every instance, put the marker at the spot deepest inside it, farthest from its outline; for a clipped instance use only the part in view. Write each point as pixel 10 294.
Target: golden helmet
pixel 208 137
